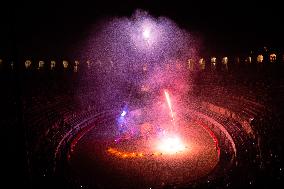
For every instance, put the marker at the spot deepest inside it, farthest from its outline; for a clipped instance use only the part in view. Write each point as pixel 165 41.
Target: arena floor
pixel 99 159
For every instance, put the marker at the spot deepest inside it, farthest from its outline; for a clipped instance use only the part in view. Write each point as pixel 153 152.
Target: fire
pixel 131 155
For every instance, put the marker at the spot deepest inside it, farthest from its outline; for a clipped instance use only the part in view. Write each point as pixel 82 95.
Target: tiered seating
pixel 49 115
pixel 233 127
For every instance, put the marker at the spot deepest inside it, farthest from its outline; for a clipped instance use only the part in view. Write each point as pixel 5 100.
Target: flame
pixel 131 155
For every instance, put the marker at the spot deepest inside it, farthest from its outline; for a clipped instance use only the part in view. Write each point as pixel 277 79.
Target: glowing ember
pixel 171 145
pixel 124 154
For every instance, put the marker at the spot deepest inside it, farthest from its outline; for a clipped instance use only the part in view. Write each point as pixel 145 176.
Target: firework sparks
pixel 148 52
pixel 171 145
pixel 146 33
pixel 169 104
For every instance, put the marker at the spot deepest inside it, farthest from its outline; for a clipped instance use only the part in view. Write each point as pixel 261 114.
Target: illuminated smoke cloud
pixel 119 48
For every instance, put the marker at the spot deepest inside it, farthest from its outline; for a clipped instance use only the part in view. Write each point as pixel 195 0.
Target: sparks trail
pixel 170 105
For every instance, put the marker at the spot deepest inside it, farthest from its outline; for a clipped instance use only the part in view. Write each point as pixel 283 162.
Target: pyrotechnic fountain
pixel 153 142
pixel 163 134
pixel 152 146
pixel 170 143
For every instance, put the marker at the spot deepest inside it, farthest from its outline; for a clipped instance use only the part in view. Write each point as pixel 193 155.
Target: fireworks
pixel 145 132
pixel 171 145
pixel 146 33
pixel 169 104
pixel 152 159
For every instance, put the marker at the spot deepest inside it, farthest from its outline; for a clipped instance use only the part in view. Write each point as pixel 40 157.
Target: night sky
pixel 51 28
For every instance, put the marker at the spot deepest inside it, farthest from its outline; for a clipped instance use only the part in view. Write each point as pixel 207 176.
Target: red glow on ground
pixel 213 136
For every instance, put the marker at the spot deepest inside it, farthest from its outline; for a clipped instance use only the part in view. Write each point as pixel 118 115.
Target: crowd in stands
pixel 248 105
